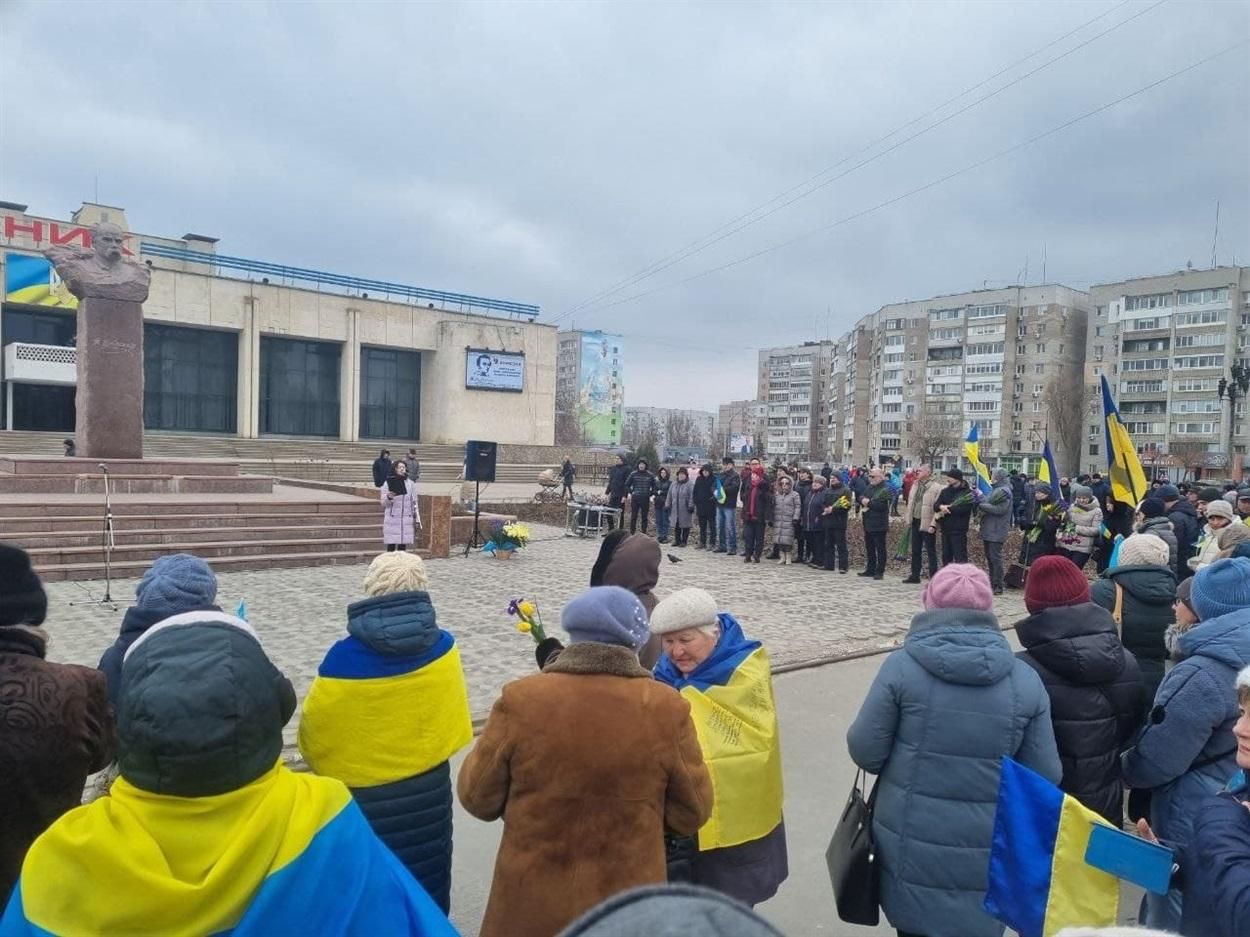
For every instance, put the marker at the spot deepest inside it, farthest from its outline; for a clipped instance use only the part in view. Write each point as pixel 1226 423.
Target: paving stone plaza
pixel 801 615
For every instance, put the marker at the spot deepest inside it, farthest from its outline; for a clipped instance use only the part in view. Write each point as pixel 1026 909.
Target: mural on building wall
pixel 601 397
pixel 33 281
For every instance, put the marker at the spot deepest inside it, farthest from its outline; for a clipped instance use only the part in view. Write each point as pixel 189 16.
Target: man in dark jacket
pixel 57 725
pixel 727 511
pixel 1100 487
pixel 996 511
pixel 953 512
pixel 1184 524
pixel 1094 684
pixel 381 468
pixel 826 472
pixel 875 503
pixel 813 529
pixel 615 489
pixel 705 507
pixel 833 519
pixel 641 487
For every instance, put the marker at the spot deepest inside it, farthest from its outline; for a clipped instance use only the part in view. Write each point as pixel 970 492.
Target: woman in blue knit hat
pixel 1187 750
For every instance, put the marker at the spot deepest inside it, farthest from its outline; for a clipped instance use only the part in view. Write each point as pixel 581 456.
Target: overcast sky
pixel 544 152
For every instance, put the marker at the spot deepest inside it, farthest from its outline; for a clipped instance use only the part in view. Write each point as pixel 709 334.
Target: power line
pixel 931 184
pixel 813 184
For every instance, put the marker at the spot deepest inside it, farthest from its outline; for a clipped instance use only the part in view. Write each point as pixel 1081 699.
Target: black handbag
pixel 854 866
pixel 679 853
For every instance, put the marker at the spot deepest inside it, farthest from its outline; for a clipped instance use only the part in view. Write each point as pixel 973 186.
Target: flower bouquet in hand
pixel 842 504
pixel 529 621
pixel 1050 513
pixel 969 497
pixel 506 537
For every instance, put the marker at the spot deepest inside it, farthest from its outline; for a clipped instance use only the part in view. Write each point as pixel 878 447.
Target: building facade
pixel 250 348
pixel 740 427
pixel 590 389
pixel 794 383
pixel 1165 343
pixel 669 428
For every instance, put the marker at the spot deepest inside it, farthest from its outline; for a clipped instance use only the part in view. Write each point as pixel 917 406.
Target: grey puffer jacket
pixel 995 512
pixel 941 714
pixel 787 511
pixel 680 503
pixel 1087 523
pixel 1161 527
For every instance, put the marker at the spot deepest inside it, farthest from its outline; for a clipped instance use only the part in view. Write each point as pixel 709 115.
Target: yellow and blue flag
pixel 286 854
pixel 1047 473
pixel 1039 881
pixel 972 451
pixel 731 703
pixel 1128 480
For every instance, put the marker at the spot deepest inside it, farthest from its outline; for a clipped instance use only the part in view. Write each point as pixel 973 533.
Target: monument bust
pixel 101 272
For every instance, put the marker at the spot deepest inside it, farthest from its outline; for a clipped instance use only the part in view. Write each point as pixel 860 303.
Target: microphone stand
pixel 108 542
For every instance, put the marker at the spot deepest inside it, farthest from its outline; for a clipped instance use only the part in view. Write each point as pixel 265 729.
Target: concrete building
pixel 1165 344
pixel 669 428
pixel 916 376
pixel 794 382
pixel 250 348
pixel 740 424
pixel 590 389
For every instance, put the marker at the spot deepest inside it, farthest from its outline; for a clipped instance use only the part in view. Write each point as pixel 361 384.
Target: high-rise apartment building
pixel 740 425
pixel 590 389
pixel 668 427
pixel 1166 345
pixel 794 383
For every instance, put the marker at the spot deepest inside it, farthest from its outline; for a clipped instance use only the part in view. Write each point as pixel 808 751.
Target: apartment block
pixel 794 383
pixel 1166 344
pixel 740 424
pixel 668 427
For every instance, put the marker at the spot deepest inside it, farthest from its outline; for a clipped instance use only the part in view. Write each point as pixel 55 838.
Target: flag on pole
pixel 1128 481
pixel 1047 473
pixel 1039 881
pixel 972 451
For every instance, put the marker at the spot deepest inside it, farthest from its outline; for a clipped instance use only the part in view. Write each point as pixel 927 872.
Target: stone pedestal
pixel 109 399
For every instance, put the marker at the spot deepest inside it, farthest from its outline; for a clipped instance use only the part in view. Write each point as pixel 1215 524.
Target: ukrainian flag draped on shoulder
pixel 1039 882
pixel 731 703
pixel 1128 481
pixel 371 719
pixel 287 854
pixel 972 451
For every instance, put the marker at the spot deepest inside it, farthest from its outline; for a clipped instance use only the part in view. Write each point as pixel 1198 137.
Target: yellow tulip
pixel 527 608
pixel 523 627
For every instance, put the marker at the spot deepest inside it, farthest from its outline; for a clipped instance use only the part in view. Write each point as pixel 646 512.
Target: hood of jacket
pixel 1078 642
pixel 1225 639
pixel 397 625
pixel 959 645
pixel 1150 523
pixel 635 565
pixel 1155 585
pixel 1184 507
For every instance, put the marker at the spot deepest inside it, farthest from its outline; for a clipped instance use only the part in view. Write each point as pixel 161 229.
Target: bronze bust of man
pixel 102 272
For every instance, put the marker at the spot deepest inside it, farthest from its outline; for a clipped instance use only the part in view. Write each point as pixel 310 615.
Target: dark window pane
pixel 390 394
pixel 299 387
pixel 189 378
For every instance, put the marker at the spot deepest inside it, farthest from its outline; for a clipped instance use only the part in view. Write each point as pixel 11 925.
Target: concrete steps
pixel 157 523
pixel 133 570
pixel 188 539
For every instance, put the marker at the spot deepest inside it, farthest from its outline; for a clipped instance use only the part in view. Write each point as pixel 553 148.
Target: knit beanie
pixel 1054 580
pixel 1220 588
pixel 1183 593
pixel 1220 508
pixel 1143 550
pixel 22 599
pixel 607 615
pixel 1210 493
pixel 959 585
pixel 1079 491
pixel 176 583
pixel 999 476
pixel 397 571
pixel 1153 507
pixel 1228 537
pixel 1171 492
pixel 687 608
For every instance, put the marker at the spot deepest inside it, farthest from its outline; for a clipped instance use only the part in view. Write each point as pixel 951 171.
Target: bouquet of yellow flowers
pixel 842 504
pixel 530 621
pixel 506 536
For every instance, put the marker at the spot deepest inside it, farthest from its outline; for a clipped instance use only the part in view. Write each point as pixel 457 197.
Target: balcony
pixel 40 364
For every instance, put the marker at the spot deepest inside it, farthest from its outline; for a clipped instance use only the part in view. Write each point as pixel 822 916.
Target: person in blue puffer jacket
pixel 1187 750
pixel 387 711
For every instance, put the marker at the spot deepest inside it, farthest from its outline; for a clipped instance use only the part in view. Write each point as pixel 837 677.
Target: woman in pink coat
pixel 400 514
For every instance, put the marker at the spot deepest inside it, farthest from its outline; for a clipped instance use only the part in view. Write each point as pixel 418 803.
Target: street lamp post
pixel 1234 390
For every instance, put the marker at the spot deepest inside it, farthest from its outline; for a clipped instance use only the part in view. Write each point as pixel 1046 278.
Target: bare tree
pixel 934 434
pixel 1065 415
pixel 680 430
pixel 1191 454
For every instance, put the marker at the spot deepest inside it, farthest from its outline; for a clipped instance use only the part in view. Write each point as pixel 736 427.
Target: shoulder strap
pixel 1118 612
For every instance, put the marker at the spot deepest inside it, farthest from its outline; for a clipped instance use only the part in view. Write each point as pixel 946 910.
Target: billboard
pixel 494 370
pixel 33 281
pixel 741 444
pixel 601 394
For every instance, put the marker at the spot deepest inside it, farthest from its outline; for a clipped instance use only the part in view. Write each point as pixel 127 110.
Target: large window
pixel 299 387
pixel 390 394
pixel 190 378
pixel 37 327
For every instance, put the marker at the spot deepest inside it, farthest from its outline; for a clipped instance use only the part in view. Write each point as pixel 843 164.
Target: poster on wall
pixel 33 282
pixel 601 398
pixel 494 370
pixel 741 444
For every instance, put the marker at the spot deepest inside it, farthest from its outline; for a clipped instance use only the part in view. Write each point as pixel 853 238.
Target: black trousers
pixel 707 530
pixel 834 548
pixel 681 536
pixel 994 562
pixel 1078 559
pixel 752 538
pixel 619 504
pixel 400 547
pixel 814 544
pixel 803 550
pixel 638 506
pixel 922 542
pixel 874 543
pixel 568 488
pixel 954 546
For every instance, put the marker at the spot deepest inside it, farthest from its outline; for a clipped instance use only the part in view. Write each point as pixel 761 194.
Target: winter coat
pixel 134 623
pixel 817 501
pixel 585 820
pixel 400 515
pixel 1208 550
pixel 1149 592
pixel 837 518
pixel 1184 520
pixel 877 513
pixel 787 511
pixel 1020 500
pixel 1216 866
pixel 705 495
pixel 804 488
pixel 680 502
pixel 1087 524
pixel 640 484
pixel 413 465
pixel 1047 528
pixel 926 492
pixel 1101 491
pixel 995 510
pixel 940 716
pixel 1096 699
pixel 1161 527
pixel 731 483
pixel 381 471
pixel 568 472
pixel 1187 751
pixel 662 488
pixel 956 522
pixel 617 478
pixel 57 728
pixel 397 661
pixel 757 501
